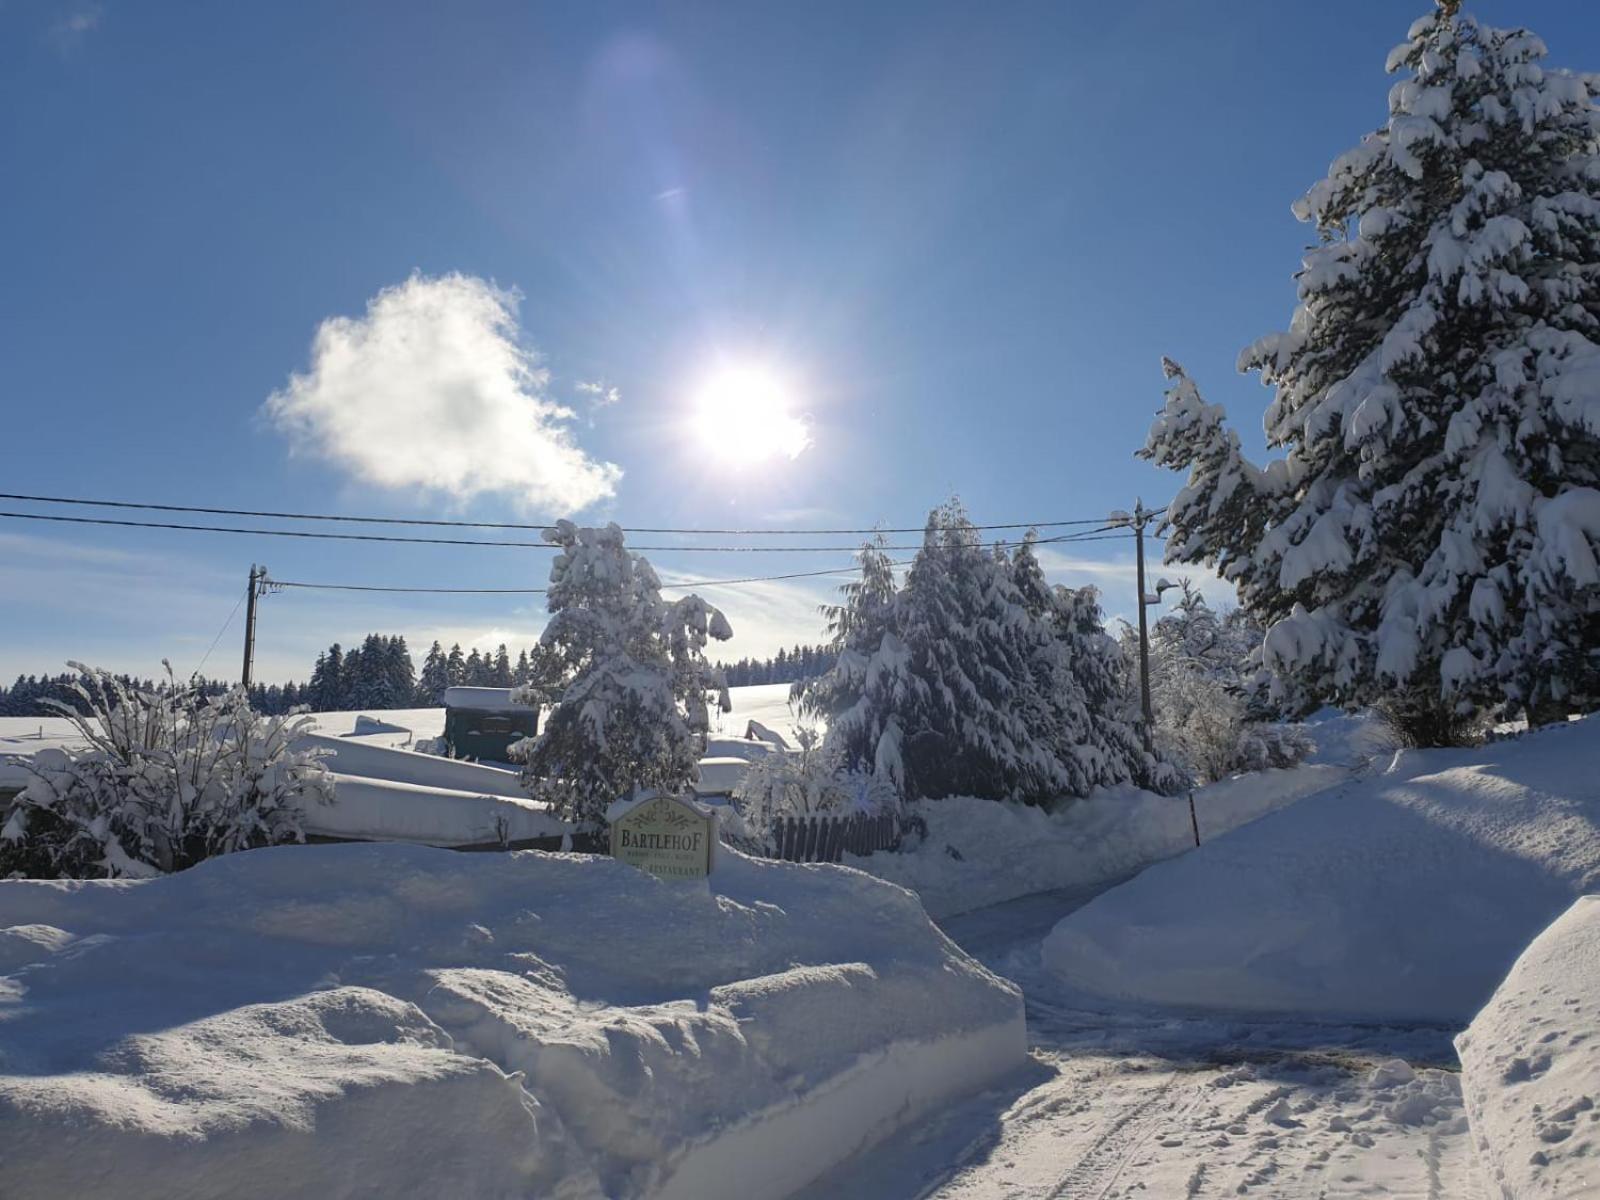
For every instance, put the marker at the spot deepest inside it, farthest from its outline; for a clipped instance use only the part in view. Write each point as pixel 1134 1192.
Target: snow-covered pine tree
pixel 1432 533
pixel 435 677
pixel 1093 722
pixel 455 667
pixel 857 696
pixel 934 685
pixel 634 713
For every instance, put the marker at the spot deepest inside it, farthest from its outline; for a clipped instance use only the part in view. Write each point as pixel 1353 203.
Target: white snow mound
pixel 1531 1066
pixel 399 1020
pixel 979 852
pixel 1403 895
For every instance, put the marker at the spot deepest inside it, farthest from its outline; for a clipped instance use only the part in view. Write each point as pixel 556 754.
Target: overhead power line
pixel 436 541
pixel 293 516
pixel 682 583
pixel 476 591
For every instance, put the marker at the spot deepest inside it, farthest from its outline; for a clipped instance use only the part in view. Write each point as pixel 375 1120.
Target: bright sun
pixel 744 414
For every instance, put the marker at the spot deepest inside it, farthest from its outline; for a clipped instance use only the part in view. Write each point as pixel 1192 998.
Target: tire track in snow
pixel 1098 1169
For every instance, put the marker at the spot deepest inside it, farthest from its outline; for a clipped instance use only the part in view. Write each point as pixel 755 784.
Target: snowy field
pixel 384 789
pixel 397 1020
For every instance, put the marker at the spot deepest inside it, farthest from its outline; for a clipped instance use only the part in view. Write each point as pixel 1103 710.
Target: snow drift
pixel 391 1019
pixel 980 852
pixel 1531 1065
pixel 1403 895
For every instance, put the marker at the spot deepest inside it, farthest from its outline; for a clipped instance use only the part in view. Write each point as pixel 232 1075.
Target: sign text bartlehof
pixel 667 837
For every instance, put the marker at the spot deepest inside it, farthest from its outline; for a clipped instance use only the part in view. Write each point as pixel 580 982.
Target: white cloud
pixel 599 394
pixel 75 26
pixel 1117 579
pixel 433 389
pixel 766 617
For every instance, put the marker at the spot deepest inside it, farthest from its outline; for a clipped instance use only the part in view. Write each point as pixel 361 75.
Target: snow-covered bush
pixel 633 712
pixel 975 677
pixel 1202 669
pixel 807 781
pixel 1432 531
pixel 169 778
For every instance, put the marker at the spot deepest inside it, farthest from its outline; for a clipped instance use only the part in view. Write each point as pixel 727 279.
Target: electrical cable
pixel 432 541
pixel 292 516
pixel 223 630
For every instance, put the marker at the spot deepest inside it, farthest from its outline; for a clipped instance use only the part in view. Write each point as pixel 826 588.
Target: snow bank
pixel 350 757
pixel 382 810
pixel 389 1019
pixel 415 724
pixel 21 738
pixel 1404 895
pixel 978 852
pixel 485 699
pixel 1531 1065
pixel 720 776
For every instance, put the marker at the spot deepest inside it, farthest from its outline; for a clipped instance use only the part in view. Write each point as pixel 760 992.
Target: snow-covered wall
pixel 390 1019
pixel 1530 1066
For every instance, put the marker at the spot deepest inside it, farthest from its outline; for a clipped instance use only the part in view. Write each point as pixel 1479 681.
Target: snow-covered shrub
pixel 1432 531
pixel 1202 671
pixel 633 712
pixel 805 782
pixel 170 777
pixel 975 677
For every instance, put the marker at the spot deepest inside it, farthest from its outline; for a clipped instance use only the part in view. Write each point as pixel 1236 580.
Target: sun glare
pixel 745 414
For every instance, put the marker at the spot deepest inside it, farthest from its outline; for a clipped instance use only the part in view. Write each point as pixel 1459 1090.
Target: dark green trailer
pixel 482 723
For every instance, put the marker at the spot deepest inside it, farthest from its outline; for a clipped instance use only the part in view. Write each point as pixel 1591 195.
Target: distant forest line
pixel 379 675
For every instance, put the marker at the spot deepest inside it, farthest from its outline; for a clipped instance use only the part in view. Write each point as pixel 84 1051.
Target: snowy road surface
pixel 1155 1105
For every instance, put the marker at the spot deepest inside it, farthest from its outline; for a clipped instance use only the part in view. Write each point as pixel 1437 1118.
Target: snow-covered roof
pixel 486 699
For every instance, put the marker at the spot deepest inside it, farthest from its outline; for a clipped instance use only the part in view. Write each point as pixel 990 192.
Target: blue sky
pixel 962 235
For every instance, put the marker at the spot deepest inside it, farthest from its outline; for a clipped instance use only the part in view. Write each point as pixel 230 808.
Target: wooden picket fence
pixel 828 837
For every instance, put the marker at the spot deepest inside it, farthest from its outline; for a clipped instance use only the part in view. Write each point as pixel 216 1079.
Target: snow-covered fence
pixel 828 837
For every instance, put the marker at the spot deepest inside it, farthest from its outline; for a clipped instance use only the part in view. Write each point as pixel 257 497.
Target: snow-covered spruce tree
pixel 962 683
pixel 170 777
pixel 633 713
pixel 1432 534
pixel 1083 684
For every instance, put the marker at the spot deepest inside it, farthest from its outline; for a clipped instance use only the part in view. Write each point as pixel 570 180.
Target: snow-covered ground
pixel 1125 1103
pixel 1531 1065
pixel 1406 894
pixel 394 1020
pixel 385 789
pixel 977 853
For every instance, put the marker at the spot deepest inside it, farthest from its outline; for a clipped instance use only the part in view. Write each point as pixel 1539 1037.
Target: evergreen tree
pixel 435 677
pixel 456 667
pixel 327 681
pixel 634 713
pixel 523 673
pixel 474 669
pixel 1432 531
pixel 975 677
pixel 502 667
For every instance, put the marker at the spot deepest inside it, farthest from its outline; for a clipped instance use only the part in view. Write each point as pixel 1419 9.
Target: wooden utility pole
pixel 257 576
pixel 1137 520
pixel 1140 516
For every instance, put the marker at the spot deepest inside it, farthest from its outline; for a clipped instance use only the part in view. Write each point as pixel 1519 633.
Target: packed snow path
pixel 1151 1104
